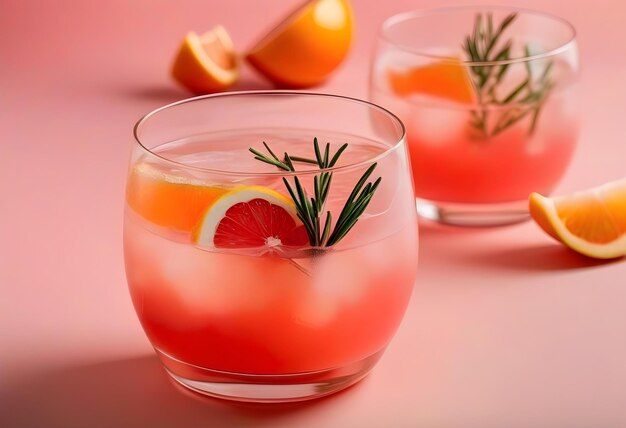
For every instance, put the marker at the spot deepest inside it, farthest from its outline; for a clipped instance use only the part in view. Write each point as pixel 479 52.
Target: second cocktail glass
pixel 488 97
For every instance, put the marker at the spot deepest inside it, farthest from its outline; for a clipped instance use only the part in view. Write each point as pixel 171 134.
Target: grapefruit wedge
pixel 448 79
pixel 591 222
pixel 306 46
pixel 169 201
pixel 251 217
pixel 206 63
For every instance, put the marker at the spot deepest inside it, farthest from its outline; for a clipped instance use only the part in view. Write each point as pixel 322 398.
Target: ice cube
pixel 433 122
pixel 339 280
pixel 214 283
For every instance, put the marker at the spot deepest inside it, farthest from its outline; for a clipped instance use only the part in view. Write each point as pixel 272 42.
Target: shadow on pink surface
pixel 159 94
pixel 545 257
pixel 510 248
pixel 172 92
pixel 134 392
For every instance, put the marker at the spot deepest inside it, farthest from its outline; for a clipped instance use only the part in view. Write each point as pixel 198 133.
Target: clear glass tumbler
pixel 488 97
pixel 244 284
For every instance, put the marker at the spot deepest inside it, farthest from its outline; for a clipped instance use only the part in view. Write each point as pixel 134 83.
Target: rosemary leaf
pixel 318 155
pixel 270 151
pixel 327 186
pixel 471 47
pixel 315 215
pixel 336 237
pixel 326 154
pixel 356 210
pixel 309 228
pixel 534 119
pixel 478 26
pixel 546 72
pixel 270 161
pixel 529 70
pixel 510 120
pixel 515 92
pixel 336 156
pixel 327 226
pixel 494 40
pixel 288 162
pixel 504 53
pixel 303 160
pixel 376 184
pixel 361 182
pixel 316 189
pixel 500 74
pixel 302 198
pixel 292 194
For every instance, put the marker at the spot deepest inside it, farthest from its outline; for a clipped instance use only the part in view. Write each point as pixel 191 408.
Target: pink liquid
pixel 263 315
pixel 500 170
pixel 451 165
pixel 259 312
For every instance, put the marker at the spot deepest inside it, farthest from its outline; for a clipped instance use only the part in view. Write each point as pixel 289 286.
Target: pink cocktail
pixel 235 299
pixel 489 103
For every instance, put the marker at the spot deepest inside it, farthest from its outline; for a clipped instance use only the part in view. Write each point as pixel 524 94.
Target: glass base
pixel 476 215
pixel 267 388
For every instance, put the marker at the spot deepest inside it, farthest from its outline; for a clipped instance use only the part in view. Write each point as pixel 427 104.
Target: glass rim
pixel 353 165
pixel 421 13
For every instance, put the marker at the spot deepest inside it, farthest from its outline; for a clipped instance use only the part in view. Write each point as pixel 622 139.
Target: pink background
pixel 505 328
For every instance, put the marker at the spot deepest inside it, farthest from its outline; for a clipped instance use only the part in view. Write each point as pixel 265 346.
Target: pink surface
pixel 505 328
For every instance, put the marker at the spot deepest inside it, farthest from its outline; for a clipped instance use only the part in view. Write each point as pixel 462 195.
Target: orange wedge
pixel 446 79
pixel 592 222
pixel 307 46
pixel 206 63
pixel 167 200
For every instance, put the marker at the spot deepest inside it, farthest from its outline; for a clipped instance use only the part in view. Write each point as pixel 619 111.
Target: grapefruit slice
pixel 591 222
pixel 167 200
pixel 448 79
pixel 251 217
pixel 206 63
pixel 306 46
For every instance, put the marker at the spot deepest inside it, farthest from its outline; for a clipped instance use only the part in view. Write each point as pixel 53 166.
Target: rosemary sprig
pixel 484 45
pixel 310 209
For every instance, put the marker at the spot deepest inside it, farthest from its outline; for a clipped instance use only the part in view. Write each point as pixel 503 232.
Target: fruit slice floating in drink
pixel 446 79
pixel 168 200
pixel 251 217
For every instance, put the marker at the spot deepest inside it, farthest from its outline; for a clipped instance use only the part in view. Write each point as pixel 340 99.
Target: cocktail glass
pixel 275 319
pixel 488 97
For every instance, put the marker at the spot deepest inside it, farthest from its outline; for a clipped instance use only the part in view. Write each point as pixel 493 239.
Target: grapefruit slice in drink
pixel 591 222
pixel 169 200
pixel 251 217
pixel 447 79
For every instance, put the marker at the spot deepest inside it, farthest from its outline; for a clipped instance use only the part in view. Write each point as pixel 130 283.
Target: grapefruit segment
pixel 446 79
pixel 206 63
pixel 251 217
pixel 306 46
pixel 592 222
pixel 167 200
